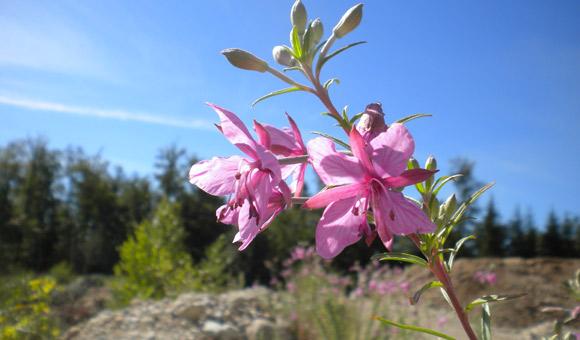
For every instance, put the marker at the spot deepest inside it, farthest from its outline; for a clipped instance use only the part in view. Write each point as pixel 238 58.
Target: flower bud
pixel 448 207
pixel 317 31
pixel 349 21
pixel 414 163
pixel 282 56
pixel 245 60
pixel 298 17
pixel 431 163
pixel 434 208
pixel 373 119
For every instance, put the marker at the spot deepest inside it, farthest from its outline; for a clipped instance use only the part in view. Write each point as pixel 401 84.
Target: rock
pixel 261 329
pixel 220 331
pixel 235 315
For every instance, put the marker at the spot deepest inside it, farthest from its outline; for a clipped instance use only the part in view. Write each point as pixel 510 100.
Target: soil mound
pixel 541 279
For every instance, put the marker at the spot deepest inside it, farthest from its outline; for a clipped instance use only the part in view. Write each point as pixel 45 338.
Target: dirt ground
pixel 540 278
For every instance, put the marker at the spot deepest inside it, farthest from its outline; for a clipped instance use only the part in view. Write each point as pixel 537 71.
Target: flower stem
pixel 438 269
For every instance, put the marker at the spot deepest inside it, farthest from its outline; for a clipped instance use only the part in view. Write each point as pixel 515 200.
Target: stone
pixel 220 331
pixel 261 329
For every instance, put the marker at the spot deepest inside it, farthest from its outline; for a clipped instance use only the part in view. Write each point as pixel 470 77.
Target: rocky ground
pixel 246 314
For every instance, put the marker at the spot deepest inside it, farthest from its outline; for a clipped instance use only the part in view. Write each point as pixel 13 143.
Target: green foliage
pixel 153 261
pixel 25 313
pixel 214 273
pixel 62 272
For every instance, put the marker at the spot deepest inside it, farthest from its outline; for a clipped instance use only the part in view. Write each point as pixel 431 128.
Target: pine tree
pixel 551 239
pixel 517 242
pixel 490 234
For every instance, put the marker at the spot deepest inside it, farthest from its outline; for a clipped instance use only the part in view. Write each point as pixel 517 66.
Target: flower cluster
pixel 363 185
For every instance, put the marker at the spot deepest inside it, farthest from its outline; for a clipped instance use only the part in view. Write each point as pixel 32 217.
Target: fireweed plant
pixel 364 179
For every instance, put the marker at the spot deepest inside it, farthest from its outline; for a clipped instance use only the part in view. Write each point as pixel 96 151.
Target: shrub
pixel 62 272
pixel 26 313
pixel 153 261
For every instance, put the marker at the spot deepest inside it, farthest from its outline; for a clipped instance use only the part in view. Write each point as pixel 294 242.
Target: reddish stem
pixel 438 269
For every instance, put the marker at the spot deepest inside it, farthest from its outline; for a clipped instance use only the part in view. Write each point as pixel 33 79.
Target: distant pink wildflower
pixel 259 193
pixel 363 182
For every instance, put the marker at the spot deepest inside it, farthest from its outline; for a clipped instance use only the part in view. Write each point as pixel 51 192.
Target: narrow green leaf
pixel 492 298
pixel 400 257
pixel 344 114
pixel 414 200
pixel 485 322
pixel 342 49
pixel 334 139
pixel 411 117
pixel 275 93
pixel 355 117
pixel 296 44
pixel 415 298
pixel 329 82
pixel 455 218
pixel 457 246
pixel 413 328
pixel 445 179
pixel 294 68
pixel 444 293
pixel 290 51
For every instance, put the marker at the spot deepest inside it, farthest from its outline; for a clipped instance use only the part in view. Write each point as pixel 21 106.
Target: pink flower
pixel 288 143
pixel 441 320
pixel 259 193
pixel 491 278
pixel 361 183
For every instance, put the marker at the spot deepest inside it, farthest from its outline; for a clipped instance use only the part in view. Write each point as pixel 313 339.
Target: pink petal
pixel 216 176
pixel 268 162
pixel 283 143
pixel 403 216
pixel 391 150
pixel 235 131
pixel 248 228
pixel 298 180
pixel 326 197
pixel 339 228
pixel 408 177
pixel 296 131
pixel 263 136
pixel 226 216
pixel 357 146
pixel 380 227
pixel 333 168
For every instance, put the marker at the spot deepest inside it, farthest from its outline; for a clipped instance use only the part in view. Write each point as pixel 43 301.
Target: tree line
pixel 65 205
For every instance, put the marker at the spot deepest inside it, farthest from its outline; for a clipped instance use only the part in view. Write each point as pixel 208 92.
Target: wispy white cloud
pixel 105 113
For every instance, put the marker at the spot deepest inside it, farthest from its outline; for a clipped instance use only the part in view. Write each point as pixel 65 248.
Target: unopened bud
pixel 298 17
pixel 414 163
pixel 282 56
pixel 373 118
pixel 245 60
pixel 431 163
pixel 349 21
pixel 448 207
pixel 317 31
pixel 434 208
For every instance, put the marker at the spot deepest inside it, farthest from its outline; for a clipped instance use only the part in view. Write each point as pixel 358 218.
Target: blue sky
pixel 126 78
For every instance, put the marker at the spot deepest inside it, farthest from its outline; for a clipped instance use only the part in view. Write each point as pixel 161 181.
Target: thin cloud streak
pixel 104 113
